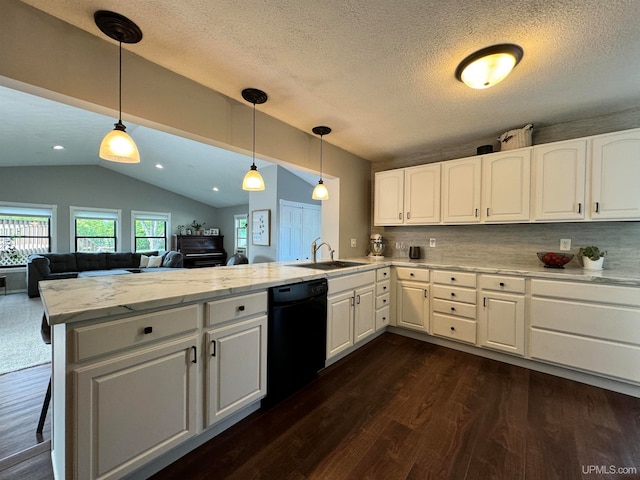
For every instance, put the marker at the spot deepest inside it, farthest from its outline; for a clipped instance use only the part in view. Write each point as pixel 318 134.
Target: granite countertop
pixel 73 300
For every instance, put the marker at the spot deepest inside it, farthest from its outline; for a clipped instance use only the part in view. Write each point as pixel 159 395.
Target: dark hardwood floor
pixel 403 409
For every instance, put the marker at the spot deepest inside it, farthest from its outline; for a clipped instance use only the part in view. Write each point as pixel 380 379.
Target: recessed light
pixel 216 189
pixel 159 166
pixel 58 147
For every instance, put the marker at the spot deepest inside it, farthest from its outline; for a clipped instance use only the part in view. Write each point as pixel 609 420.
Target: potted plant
pixel 181 229
pixel 197 226
pixel 592 257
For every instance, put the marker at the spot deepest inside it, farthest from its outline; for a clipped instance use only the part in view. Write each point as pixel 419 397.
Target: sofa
pixel 55 266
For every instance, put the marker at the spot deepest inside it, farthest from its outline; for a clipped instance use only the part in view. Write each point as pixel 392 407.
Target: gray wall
pixel 226 223
pixel 517 244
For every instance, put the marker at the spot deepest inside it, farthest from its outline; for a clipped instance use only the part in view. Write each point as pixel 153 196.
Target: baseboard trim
pixel 24 455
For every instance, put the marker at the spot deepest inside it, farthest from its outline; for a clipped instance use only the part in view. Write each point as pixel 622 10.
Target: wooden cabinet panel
pixel 388 202
pixel 454 328
pixel 236 308
pixel 461 187
pixel 412 306
pixel 364 318
pixel 501 322
pixel 506 179
pixel 339 323
pixel 422 194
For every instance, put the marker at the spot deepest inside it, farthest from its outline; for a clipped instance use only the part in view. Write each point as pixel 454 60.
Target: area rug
pixel 21 345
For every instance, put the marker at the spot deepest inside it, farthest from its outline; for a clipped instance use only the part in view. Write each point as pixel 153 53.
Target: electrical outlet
pixel 432 242
pixel 565 244
pixel 353 243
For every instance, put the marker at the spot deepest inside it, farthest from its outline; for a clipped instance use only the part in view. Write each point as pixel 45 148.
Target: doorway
pixel 300 224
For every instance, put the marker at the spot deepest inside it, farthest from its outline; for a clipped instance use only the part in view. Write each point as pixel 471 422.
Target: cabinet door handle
pixel 148 330
pixel 213 348
pixel 487 211
pixel 426 294
pixel 484 301
pixel 408 215
pixel 579 207
pixel 597 207
pixel 399 216
pixel 195 354
pixel 476 212
pixel 353 301
pixel 241 308
pixel 358 302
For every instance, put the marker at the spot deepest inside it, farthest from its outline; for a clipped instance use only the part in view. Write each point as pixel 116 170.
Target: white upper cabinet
pixel 615 176
pixel 506 179
pixel 422 194
pixel 388 203
pixel 461 183
pixel 559 172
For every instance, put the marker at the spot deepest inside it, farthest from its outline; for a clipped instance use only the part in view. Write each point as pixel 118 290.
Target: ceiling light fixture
pixel 117 145
pixel 321 192
pixel 58 147
pixel 253 180
pixel 159 166
pixel 489 66
pixel 215 189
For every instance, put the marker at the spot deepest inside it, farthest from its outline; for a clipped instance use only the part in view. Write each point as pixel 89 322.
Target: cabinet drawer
pixel 417 274
pixel 590 354
pixel 454 308
pixel 464 295
pixel 585 291
pixel 459 279
pixel 383 274
pixel 351 282
pixel 454 328
pixel 102 338
pixel 502 283
pixel 383 287
pixel 382 317
pixel 383 300
pixel 234 308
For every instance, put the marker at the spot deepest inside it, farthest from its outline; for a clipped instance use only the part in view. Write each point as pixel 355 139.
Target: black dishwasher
pixel 296 339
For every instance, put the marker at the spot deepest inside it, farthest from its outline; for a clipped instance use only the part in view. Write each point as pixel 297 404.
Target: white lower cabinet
pixel 350 311
pixel 412 298
pixel 383 298
pixel 501 320
pixel 454 305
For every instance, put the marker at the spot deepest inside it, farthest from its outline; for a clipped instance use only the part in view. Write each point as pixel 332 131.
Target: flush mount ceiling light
pixel 489 66
pixel 253 180
pixel 321 192
pixel 117 145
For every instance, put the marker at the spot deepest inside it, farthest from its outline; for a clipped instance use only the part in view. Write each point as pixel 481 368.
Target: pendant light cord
pixel 254 134
pixel 120 86
pixel 321 157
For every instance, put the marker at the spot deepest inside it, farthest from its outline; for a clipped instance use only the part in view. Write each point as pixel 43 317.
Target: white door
pixel 135 407
pixel 412 306
pixel 615 177
pixel 388 198
pixel 339 322
pixel 422 194
pixel 364 316
pixel 236 367
pixel 559 173
pixel 501 322
pixel 461 185
pixel 506 186
pixel 300 224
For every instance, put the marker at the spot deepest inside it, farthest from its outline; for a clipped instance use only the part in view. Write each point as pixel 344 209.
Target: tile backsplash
pixel 515 244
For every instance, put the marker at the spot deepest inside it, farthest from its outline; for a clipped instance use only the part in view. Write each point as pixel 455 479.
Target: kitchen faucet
pixel 315 248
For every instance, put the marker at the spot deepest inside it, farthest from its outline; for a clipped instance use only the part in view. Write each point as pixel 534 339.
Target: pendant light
pixel 253 180
pixel 321 192
pixel 489 66
pixel 117 145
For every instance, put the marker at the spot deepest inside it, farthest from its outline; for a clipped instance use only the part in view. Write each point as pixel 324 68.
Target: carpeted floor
pixel 21 345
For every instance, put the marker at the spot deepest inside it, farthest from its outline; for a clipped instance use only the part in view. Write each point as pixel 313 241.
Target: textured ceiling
pixel 381 72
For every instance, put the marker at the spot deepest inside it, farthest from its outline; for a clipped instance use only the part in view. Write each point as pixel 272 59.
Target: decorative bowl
pixel 555 259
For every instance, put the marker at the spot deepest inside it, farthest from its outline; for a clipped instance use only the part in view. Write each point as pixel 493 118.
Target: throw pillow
pixel 155 262
pixel 144 261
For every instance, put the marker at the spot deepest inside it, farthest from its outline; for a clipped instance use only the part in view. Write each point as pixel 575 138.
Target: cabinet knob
pixel 384 274
pixel 502 284
pixel 411 274
pixel 384 288
pixel 384 301
pixel 453 309
pixel 453 329
pixel 148 330
pixel 453 294
pixel 453 279
pixel 384 318
pixel 241 308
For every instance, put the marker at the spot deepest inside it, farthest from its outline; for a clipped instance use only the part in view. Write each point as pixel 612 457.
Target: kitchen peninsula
pixel 147 367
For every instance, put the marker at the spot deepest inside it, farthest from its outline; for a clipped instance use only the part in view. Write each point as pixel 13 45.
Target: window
pixel 241 233
pixel 149 230
pixel 94 229
pixel 24 230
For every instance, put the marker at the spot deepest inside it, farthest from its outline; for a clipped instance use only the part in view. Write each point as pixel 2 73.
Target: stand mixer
pixel 377 247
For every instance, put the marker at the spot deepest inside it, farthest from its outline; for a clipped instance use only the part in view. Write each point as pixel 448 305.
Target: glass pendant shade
pixel 117 146
pixel 487 67
pixel 320 192
pixel 253 180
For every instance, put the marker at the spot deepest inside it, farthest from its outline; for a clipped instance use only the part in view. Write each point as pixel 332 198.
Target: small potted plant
pixel 592 257
pixel 197 226
pixel 181 229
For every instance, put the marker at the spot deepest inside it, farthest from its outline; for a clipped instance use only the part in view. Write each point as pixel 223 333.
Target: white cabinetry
pixel 461 185
pixel 501 320
pixel 350 311
pixel 454 305
pixel 236 374
pixel 559 172
pixel 615 176
pixel 137 397
pixel 595 328
pixel 412 298
pixel 383 297
pixel 506 179
pixel 407 196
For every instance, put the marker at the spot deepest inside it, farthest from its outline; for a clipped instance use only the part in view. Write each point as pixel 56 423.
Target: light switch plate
pixel 432 242
pixel 565 244
pixel 353 243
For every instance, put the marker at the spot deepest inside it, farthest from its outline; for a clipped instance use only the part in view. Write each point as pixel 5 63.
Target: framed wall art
pixel 260 227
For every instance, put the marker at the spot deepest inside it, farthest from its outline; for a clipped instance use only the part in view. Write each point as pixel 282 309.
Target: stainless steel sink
pixel 334 265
